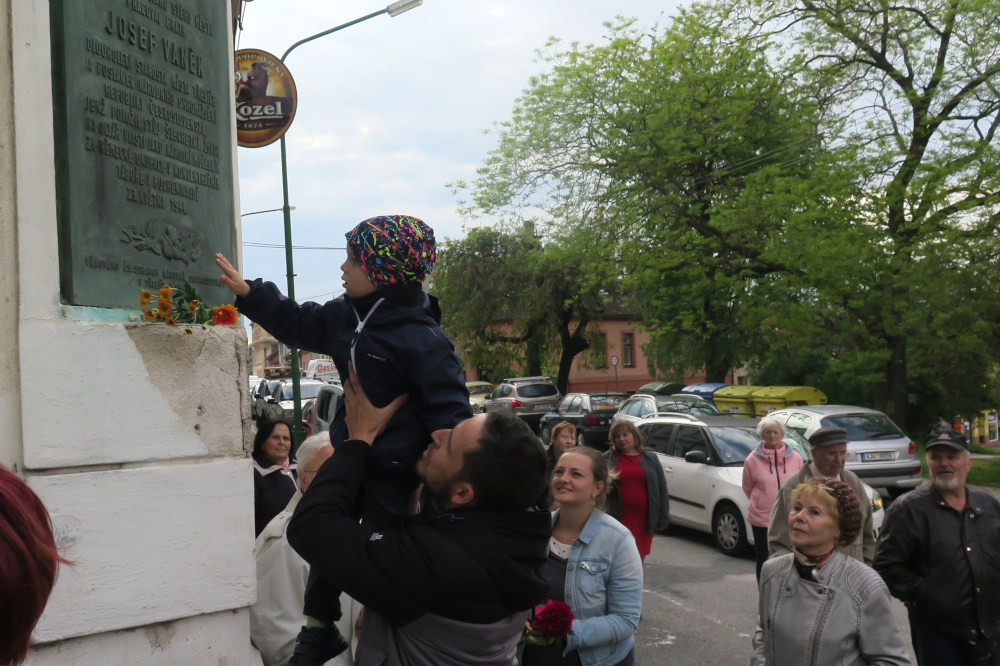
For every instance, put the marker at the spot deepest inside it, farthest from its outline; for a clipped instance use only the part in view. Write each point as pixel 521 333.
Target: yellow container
pixel 735 400
pixel 766 399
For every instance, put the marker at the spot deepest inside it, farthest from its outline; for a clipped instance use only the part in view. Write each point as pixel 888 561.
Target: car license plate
pixel 879 455
pixel 546 407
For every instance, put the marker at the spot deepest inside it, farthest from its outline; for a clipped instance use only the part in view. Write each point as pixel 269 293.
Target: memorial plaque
pixel 142 93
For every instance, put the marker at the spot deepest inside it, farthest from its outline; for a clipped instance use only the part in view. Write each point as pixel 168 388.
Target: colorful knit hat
pixel 393 249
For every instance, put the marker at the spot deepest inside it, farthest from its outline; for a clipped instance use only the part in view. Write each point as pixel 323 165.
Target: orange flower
pixel 164 308
pixel 189 331
pixel 224 316
pixel 170 321
pixel 150 315
pixel 193 305
pixel 145 296
pixel 166 293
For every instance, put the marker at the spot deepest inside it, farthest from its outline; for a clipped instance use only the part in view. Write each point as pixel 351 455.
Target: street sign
pixel 143 147
pixel 266 99
pixel 614 361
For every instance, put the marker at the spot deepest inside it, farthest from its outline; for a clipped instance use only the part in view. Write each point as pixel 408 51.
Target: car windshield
pixel 480 390
pixel 606 401
pixel 735 443
pixel 306 391
pixel 694 407
pixel 862 427
pixel 536 391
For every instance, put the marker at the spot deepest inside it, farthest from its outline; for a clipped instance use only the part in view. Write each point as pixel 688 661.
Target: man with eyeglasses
pixel 829 453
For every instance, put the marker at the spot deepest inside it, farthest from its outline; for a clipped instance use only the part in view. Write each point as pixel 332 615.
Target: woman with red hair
pixel 28 564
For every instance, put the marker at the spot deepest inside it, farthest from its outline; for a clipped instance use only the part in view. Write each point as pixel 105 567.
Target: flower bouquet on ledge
pixel 184 306
pixel 550 622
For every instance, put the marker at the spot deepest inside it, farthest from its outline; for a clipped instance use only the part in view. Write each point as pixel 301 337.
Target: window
pixel 498 393
pixel 798 423
pixel 627 358
pixel 694 407
pixel 991 423
pixel 646 407
pixel 630 408
pixel 537 391
pixel 574 407
pixel 657 437
pixel 690 438
pixel 606 401
pixel 863 427
pixel 564 404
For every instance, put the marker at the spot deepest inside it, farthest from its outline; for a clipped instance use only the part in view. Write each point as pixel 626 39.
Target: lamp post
pixel 393 10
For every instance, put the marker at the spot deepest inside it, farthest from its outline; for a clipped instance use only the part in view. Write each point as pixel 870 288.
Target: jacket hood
pixel 398 307
pixel 511 547
pixel 764 454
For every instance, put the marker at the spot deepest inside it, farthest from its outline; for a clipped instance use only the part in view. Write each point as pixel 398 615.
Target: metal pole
pixel 298 432
pixel 616 378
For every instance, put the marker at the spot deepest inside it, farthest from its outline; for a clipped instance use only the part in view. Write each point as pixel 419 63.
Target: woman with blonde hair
pixel 593 566
pixel 639 499
pixel 562 439
pixel 818 605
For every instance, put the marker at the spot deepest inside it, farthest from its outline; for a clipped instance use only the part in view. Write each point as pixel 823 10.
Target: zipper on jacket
pixel 818 632
pixel 361 326
pixel 776 472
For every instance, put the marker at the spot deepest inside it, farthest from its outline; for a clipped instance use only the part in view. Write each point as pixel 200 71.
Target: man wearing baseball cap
pixel 829 453
pixel 939 553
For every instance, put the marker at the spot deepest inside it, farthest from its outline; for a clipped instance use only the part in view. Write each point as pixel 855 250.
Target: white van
pixel 322 369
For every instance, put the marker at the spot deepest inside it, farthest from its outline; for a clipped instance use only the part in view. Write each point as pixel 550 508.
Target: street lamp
pixel 269 210
pixel 393 10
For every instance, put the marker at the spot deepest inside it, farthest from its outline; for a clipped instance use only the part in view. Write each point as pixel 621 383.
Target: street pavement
pixel 700 606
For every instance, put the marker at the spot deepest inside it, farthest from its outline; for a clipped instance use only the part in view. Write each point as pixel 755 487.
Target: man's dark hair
pixel 508 469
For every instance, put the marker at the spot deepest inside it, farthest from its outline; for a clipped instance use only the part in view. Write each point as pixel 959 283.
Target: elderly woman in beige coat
pixel 818 605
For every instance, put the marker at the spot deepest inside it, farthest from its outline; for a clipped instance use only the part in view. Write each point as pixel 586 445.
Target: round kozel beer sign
pixel 266 99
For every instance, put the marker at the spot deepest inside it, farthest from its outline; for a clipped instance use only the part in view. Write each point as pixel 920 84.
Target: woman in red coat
pixel 638 499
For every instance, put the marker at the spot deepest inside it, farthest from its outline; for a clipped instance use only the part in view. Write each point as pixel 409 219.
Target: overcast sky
pixel 392 109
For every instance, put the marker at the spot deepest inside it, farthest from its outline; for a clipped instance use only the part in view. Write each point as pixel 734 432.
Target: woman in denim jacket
pixel 593 566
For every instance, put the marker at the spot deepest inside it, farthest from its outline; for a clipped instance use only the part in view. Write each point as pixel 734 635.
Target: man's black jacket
pixel 463 564
pixel 942 563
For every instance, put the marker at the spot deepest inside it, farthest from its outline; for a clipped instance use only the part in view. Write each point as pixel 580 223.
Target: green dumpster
pixel 736 400
pixel 661 388
pixel 766 399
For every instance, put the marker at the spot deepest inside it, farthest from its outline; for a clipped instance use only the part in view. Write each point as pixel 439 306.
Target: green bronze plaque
pixel 142 92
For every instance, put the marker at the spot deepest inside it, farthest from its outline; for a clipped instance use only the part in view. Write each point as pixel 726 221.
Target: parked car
pixel 878 451
pixel 280 402
pixel 529 397
pixel 324 407
pixel 478 392
pixel 642 405
pixel 259 398
pixel 590 414
pixel 254 380
pixel 702 459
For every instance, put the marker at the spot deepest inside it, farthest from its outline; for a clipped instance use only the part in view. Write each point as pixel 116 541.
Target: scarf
pixel 808 565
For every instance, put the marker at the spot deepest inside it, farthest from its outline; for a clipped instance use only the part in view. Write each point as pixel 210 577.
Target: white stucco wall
pixel 219 639
pixel 135 437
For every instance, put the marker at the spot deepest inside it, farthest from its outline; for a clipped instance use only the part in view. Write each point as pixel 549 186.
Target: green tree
pixel 549 293
pixel 914 89
pixel 666 143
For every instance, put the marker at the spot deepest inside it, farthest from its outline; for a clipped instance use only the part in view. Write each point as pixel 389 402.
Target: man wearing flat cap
pixel 939 553
pixel 829 453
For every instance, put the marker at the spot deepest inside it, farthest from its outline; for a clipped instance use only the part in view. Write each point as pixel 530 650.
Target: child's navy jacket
pixel 400 349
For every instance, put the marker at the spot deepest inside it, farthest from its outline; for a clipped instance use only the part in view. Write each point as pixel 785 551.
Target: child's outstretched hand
pixel 231 278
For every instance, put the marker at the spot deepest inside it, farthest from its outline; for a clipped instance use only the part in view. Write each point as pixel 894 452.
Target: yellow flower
pixel 193 306
pixel 164 308
pixel 150 315
pixel 145 296
pixel 166 293
pixel 224 316
pixel 170 321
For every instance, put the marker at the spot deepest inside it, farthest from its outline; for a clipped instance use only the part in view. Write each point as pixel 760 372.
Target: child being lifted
pixel 388 328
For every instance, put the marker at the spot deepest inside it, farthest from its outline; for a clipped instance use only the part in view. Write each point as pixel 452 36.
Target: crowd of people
pixel 414 533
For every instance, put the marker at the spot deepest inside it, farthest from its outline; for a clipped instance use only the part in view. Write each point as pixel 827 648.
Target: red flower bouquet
pixel 551 621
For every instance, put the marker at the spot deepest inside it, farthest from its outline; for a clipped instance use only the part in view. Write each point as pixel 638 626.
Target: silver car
pixel 878 452
pixel 528 397
pixel 642 405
